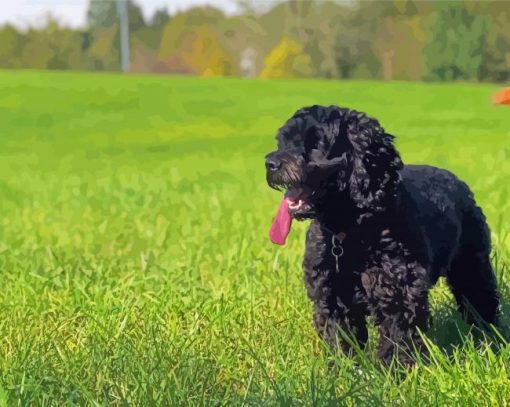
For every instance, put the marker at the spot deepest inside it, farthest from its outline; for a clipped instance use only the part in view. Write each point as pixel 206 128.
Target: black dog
pixel 381 234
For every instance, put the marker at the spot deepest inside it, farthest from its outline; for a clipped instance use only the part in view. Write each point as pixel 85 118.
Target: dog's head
pixel 325 152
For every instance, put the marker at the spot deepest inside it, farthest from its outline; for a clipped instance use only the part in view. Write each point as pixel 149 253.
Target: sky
pixel 23 13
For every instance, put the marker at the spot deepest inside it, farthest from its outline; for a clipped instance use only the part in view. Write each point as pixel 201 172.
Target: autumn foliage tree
pixel 190 45
pixel 287 60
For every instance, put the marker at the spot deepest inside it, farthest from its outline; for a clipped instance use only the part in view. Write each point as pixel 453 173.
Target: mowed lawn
pixel 135 265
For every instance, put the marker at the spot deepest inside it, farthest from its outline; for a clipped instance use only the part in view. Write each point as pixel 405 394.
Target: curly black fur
pixel 404 227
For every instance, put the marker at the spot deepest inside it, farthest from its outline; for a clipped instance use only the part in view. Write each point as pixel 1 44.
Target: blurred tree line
pixel 397 39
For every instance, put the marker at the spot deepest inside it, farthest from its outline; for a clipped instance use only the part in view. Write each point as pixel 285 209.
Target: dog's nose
pixel 273 164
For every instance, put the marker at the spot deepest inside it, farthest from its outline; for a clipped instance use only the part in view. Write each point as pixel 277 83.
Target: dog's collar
pixel 337 250
pixel 341 236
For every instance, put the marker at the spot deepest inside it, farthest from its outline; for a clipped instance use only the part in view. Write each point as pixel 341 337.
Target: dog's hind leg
pixel 471 276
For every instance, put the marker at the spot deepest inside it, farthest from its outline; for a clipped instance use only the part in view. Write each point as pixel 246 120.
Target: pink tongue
pixel 281 225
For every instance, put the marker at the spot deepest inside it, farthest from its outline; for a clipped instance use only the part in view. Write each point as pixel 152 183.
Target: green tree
pixel 135 16
pixel 37 52
pixel 146 40
pixel 11 45
pixel 496 49
pixel 456 46
pixel 355 55
pixel 66 45
pixel 384 39
pixel 103 22
pixel 160 18
pixel 103 14
pixel 323 30
pixel 399 43
pixel 53 47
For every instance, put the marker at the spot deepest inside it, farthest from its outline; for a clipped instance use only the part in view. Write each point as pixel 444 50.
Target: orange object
pixel 502 97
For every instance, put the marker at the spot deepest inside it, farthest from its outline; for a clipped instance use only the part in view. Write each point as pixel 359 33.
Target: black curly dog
pixel 381 233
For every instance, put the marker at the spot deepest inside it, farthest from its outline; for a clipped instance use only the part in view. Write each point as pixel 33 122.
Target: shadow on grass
pixel 448 330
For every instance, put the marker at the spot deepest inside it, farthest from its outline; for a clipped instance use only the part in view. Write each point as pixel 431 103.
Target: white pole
pixel 124 34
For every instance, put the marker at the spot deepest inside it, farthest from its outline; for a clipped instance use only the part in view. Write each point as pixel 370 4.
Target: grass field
pixel 134 259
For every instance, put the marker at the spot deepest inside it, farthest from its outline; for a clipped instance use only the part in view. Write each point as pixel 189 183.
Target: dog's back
pixel 450 223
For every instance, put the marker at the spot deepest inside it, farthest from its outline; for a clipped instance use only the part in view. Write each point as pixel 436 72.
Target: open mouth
pixel 297 200
pixel 294 205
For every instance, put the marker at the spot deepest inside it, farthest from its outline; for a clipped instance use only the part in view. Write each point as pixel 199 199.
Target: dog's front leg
pixel 397 291
pixel 334 321
pixel 339 299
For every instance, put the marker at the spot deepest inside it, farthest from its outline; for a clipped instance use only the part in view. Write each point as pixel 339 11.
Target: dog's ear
pixel 375 163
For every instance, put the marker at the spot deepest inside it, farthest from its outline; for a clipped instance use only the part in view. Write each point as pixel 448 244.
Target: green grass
pixel 134 259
